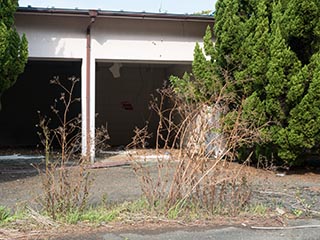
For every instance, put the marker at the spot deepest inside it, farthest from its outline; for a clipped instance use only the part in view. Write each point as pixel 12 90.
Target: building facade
pixel 120 57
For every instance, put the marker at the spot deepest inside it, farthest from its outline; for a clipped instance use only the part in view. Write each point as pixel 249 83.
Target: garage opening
pixel 32 93
pixel 123 94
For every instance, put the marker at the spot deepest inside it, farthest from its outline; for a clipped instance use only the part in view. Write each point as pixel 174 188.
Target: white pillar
pixel 84 111
pixel 92 106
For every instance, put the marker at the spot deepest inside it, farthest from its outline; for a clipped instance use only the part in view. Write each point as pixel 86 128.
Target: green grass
pixel 4 214
pixel 7 215
pixel 104 213
pixel 139 209
pixel 94 214
pixel 258 209
pixel 91 215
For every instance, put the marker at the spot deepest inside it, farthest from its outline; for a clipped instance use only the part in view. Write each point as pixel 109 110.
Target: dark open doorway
pixel 122 100
pixel 32 93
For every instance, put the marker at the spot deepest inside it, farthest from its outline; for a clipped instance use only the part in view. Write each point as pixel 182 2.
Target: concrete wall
pixel 53 37
pixel 145 40
pixel 112 39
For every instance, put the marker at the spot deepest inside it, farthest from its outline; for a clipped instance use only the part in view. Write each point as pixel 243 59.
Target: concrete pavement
pixel 297 230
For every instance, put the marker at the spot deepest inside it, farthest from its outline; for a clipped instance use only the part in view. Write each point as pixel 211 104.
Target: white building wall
pixel 113 39
pixel 54 37
pixel 145 40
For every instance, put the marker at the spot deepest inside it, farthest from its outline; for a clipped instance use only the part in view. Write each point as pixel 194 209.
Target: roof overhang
pixel 115 14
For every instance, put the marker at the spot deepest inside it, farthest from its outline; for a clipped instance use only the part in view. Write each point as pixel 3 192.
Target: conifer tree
pixel 13 49
pixel 270 50
pixel 201 84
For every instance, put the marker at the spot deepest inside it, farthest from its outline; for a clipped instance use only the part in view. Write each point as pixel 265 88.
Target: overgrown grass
pixel 128 213
pixel 194 180
pixel 103 213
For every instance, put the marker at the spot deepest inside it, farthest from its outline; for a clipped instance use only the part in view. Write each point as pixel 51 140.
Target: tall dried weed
pixel 195 145
pixel 65 183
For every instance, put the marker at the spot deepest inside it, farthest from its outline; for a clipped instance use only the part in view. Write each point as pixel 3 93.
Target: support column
pixel 88 95
pixel 92 111
pixel 84 111
pixel 88 92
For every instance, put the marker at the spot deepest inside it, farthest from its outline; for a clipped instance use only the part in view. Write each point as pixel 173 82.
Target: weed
pixel 104 214
pixel 4 214
pixel 175 211
pixel 258 209
pixel 303 206
pixel 100 215
pixel 194 148
pixel 10 215
pixel 91 215
pixel 65 188
pixel 297 212
pixel 72 217
pixel 137 206
pixel 101 138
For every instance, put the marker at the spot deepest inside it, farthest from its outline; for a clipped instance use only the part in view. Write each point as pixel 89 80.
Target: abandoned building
pixel 120 58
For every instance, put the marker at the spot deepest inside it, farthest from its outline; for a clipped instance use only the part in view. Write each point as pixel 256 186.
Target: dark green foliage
pixel 201 84
pixel 13 49
pixel 269 51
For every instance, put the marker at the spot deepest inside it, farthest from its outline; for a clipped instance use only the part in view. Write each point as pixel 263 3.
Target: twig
pixel 40 219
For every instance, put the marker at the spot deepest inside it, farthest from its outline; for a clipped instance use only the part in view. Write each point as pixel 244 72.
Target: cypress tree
pixel 13 49
pixel 270 52
pixel 279 71
pixel 201 84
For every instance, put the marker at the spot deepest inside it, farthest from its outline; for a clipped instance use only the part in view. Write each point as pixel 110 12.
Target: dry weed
pixel 65 188
pixel 195 142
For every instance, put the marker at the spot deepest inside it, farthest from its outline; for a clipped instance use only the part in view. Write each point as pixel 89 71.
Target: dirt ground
pixel 285 191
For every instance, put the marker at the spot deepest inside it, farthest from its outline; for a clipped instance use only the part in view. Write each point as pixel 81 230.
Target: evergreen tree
pixel 201 84
pixel 270 52
pixel 13 49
